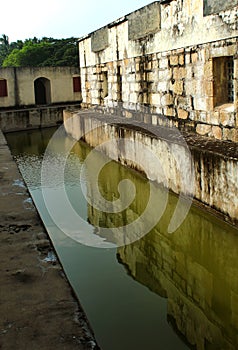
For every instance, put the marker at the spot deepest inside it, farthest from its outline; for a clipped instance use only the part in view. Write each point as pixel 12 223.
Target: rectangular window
pixel 119 84
pixel 223 80
pixel 104 84
pixel 3 88
pixel 77 84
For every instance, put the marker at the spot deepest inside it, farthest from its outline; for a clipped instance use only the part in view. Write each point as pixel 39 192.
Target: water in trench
pixel 164 291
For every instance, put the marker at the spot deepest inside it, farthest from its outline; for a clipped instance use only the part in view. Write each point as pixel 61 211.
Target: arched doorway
pixel 42 91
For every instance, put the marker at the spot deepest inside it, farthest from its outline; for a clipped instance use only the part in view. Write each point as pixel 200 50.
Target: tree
pixel 4 47
pixel 45 52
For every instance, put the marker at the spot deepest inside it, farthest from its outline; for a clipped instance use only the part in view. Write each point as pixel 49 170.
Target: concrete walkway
pixel 37 307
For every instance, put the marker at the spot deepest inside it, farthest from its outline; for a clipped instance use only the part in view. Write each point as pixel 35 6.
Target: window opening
pixel 3 88
pixel 77 84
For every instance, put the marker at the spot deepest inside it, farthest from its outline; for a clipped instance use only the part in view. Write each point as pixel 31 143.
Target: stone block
pixel 234 135
pixel 138 77
pixel 164 74
pixel 179 73
pixel 163 63
pixel 194 57
pixel 151 76
pixel 200 104
pixel 182 114
pixel 203 129
pixel 155 99
pixel 169 111
pixel 208 87
pixel 177 87
pixel 217 132
pixel 148 65
pixel 174 60
pixel 154 119
pixel 198 71
pixel 227 118
pixel 155 64
pixel 184 102
pixel 137 67
pixel 162 86
pixel 191 87
pixel 181 60
pixel 167 100
pixel 213 117
pixel 208 70
pixel 187 58
pixel 133 97
pixel 159 110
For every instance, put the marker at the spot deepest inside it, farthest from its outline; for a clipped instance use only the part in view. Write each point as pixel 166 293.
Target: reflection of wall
pixel 196 268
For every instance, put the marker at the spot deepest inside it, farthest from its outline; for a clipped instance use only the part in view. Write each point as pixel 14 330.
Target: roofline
pixel 118 21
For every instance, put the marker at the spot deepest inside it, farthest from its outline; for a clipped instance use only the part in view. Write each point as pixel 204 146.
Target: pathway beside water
pixel 37 309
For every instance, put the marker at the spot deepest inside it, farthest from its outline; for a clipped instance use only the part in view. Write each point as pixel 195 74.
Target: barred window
pixel 223 80
pixel 3 88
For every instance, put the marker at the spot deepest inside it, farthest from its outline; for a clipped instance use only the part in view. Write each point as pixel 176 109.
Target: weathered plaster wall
pixel 215 167
pixel 215 6
pixel 144 21
pixel 20 83
pixel 170 67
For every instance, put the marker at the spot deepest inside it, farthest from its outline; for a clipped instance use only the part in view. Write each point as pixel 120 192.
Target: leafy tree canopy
pixel 38 52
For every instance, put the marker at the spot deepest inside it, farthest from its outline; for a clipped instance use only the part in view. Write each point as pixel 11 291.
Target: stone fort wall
pixel 178 58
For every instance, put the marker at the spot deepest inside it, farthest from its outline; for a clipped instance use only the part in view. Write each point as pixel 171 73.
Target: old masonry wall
pixel 179 58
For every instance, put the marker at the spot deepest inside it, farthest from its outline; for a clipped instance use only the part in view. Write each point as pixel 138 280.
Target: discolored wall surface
pixel 20 85
pixel 214 163
pixel 168 65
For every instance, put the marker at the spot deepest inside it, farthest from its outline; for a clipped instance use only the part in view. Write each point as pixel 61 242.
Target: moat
pixel 164 291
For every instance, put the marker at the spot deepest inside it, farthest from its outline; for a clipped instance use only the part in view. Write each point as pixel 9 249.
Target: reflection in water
pixel 192 272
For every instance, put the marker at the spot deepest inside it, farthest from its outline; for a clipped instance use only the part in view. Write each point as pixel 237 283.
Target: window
pixel 223 80
pixel 77 84
pixel 119 84
pixel 3 88
pixel 104 84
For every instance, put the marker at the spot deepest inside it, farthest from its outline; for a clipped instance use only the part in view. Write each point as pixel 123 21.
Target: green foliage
pixel 38 52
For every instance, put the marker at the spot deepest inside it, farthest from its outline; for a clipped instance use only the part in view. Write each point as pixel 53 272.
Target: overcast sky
pixel 61 18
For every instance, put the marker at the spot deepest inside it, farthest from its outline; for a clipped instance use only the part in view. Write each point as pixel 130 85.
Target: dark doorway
pixel 42 91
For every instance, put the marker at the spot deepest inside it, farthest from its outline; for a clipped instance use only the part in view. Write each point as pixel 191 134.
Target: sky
pixel 61 18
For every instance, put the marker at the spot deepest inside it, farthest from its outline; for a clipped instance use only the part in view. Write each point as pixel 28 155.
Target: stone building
pixel 30 86
pixel 176 57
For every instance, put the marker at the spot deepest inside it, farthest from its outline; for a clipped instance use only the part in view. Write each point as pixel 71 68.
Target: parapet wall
pixel 214 162
pixel 32 118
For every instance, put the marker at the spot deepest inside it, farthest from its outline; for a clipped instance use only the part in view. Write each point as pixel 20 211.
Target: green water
pixel 164 291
